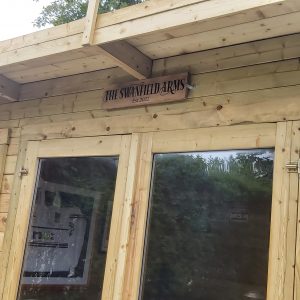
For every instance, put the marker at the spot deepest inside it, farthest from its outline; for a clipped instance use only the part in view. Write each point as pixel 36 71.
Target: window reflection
pixel 68 235
pixel 208 227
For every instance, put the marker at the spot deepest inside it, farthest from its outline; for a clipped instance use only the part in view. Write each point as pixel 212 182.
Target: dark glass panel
pixel 68 234
pixel 208 227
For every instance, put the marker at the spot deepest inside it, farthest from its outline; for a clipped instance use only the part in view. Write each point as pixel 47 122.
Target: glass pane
pixel 68 234
pixel 208 227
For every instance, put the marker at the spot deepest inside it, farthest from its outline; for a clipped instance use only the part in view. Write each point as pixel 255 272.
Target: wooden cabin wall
pixel 4 198
pixel 233 85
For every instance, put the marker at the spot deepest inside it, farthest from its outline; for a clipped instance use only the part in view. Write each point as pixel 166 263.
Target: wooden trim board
pixel 284 209
pixel 100 146
pixel 296 196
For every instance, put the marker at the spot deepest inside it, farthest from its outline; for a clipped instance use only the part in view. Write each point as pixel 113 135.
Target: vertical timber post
pixel 90 22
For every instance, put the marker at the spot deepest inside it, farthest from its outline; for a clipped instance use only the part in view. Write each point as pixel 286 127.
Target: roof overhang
pixel 133 37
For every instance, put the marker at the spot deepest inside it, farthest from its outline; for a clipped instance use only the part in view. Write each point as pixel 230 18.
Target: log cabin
pixel 153 153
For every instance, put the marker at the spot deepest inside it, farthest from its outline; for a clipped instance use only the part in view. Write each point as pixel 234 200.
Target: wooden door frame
pixel 122 276
pixel 284 208
pixel 125 147
pixel 296 182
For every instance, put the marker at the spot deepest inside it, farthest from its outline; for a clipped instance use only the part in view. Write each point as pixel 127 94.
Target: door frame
pixel 279 136
pixel 120 146
pixel 123 274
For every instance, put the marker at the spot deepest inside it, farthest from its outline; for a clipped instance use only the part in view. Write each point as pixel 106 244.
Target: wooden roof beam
pixel 128 27
pixel 90 22
pixel 123 54
pixel 189 14
pixel 9 89
pixel 129 59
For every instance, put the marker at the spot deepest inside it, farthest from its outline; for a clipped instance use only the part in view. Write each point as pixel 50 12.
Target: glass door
pixel 209 225
pixel 71 201
pixel 217 218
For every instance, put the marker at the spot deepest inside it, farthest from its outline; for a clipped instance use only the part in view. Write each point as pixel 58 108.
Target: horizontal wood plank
pixel 288 6
pixel 249 107
pixel 9 124
pixel 35 51
pixel 140 10
pixel 10 165
pixel 9 89
pixel 73 84
pixel 4 202
pixel 4 136
pixel 180 16
pixel 185 15
pixel 7 184
pixel 3 220
pixel 250 136
pixel 265 76
pixel 53 60
pixel 274 49
pixel 12 149
pixel 42 36
pixel 252 53
pixel 61 69
pixel 241 33
pixel 107 19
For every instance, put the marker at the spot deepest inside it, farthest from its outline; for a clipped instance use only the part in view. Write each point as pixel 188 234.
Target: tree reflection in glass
pixel 208 227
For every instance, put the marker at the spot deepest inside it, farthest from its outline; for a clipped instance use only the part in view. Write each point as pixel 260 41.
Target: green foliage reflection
pixel 209 226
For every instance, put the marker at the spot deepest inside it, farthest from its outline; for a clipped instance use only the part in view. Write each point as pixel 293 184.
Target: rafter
pixel 151 23
pixel 90 22
pixel 122 53
pixel 129 59
pixel 9 89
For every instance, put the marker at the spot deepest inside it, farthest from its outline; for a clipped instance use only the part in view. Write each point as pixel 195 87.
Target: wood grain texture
pixel 197 63
pixel 3 180
pixel 217 138
pixel 101 146
pixel 18 230
pixel 283 220
pixel 90 22
pixel 73 84
pixel 251 107
pixel 288 6
pixel 53 54
pixel 9 89
pixel 177 17
pixel 126 218
pixel 10 165
pixel 4 202
pixel 42 36
pixel 129 59
pixel 3 220
pixel 296 194
pixel 10 226
pixel 138 220
pixel 4 136
pixel 266 83
pixel 226 36
pixel 1 242
pixel 7 184
pixel 116 223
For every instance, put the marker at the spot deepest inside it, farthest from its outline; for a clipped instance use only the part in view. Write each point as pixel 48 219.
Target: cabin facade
pixel 153 153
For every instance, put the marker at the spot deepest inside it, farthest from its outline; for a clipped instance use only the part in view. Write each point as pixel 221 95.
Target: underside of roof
pixel 134 38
